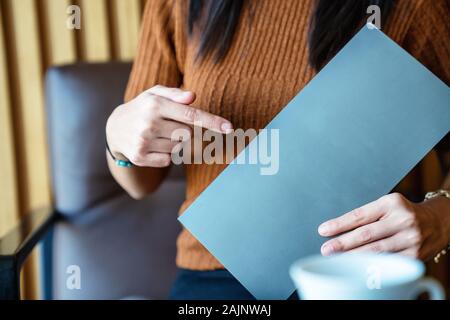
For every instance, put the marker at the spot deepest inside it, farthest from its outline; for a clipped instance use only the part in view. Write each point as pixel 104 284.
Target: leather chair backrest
pixel 122 246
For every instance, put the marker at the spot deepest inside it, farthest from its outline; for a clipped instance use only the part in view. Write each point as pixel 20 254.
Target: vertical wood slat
pixel 126 15
pixel 29 118
pixel 59 39
pixel 9 209
pixel 143 3
pixel 28 91
pixel 95 43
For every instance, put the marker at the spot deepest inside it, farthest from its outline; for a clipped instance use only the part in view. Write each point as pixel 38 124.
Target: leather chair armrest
pixel 17 244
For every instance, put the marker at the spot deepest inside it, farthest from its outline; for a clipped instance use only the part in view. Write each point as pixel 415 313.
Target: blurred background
pixel 34 37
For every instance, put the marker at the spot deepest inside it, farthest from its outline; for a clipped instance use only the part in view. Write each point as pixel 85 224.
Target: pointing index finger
pixel 194 116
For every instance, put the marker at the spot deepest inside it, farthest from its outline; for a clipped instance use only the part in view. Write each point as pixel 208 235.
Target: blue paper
pixel 346 139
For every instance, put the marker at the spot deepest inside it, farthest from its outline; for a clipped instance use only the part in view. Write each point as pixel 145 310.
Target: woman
pixel 228 64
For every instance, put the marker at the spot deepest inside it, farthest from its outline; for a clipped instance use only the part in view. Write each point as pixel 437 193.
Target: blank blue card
pixel 346 139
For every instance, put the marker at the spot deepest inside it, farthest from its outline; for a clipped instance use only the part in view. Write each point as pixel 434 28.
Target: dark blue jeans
pixel 209 285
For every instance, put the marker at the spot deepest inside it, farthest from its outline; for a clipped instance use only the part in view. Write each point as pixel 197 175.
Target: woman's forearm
pixel 444 206
pixel 446 184
pixel 137 181
pixel 440 207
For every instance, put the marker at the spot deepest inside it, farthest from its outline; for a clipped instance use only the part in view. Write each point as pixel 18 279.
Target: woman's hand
pixel 142 129
pixel 391 224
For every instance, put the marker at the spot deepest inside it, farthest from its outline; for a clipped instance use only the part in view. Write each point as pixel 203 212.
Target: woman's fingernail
pixel 226 127
pixel 324 229
pixel 327 249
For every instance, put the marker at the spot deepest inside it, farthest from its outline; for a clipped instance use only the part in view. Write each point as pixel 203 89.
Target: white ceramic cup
pixel 362 277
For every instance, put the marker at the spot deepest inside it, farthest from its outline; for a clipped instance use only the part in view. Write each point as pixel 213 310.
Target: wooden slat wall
pixel 126 17
pixel 59 41
pixel 9 208
pixel 29 103
pixel 95 44
pixel 27 93
pixel 34 37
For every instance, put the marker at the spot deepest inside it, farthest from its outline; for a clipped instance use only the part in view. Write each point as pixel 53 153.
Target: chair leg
pixel 47 266
pixel 9 279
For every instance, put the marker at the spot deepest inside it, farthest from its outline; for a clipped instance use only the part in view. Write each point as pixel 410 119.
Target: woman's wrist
pixel 439 208
pixel 116 156
pixel 110 145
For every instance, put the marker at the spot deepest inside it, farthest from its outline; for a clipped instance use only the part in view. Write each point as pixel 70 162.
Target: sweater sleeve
pixel 428 40
pixel 155 61
pixel 428 37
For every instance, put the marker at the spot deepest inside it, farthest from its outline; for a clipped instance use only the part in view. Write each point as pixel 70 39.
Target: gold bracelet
pixel 440 254
pixel 434 194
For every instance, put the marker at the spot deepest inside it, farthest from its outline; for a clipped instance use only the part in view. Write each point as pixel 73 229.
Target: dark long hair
pixel 332 25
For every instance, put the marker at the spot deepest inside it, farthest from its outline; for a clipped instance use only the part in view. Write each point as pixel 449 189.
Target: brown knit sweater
pixel 265 67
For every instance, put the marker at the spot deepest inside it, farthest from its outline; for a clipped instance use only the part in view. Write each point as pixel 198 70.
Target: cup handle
pixel 431 286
